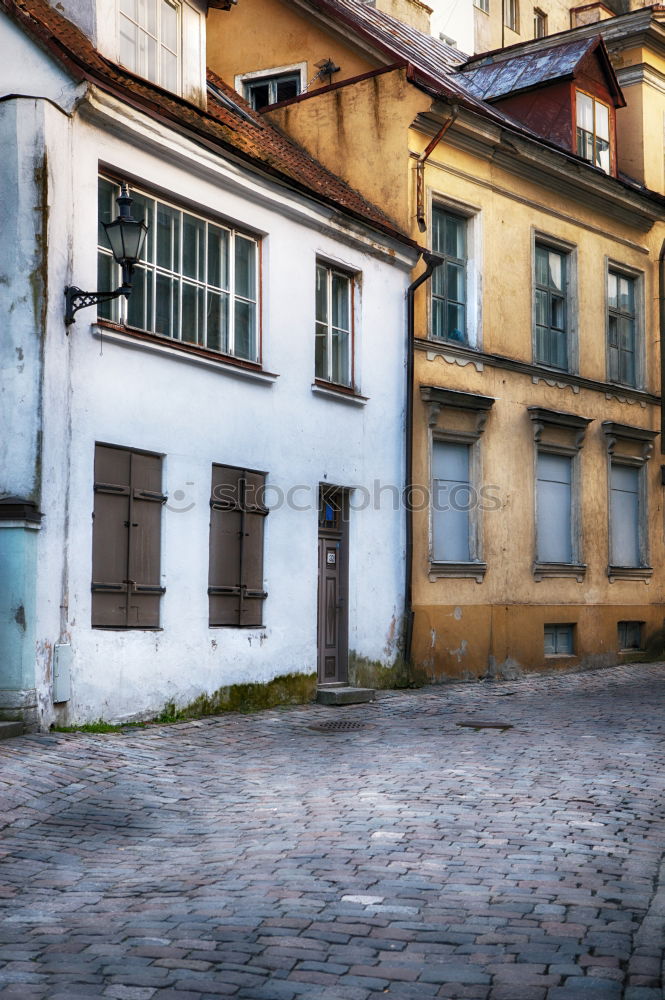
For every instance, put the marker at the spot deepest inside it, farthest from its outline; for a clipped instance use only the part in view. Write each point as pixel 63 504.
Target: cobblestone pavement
pixel 404 856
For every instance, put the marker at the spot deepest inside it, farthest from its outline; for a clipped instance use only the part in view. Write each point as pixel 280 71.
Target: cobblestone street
pixel 405 855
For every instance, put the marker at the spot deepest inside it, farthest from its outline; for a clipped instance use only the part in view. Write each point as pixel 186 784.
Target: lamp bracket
pixel 77 299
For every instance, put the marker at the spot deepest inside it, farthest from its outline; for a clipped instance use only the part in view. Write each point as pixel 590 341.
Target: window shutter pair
pixel 237 518
pixel 126 539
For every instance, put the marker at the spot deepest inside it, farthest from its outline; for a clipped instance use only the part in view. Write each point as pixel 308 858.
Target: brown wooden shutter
pixel 237 515
pixel 126 539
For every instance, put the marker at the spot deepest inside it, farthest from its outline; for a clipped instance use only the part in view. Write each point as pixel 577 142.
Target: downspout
pixel 420 169
pixel 661 326
pixel 432 261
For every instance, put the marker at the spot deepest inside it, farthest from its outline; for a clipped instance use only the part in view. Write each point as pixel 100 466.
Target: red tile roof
pixel 230 127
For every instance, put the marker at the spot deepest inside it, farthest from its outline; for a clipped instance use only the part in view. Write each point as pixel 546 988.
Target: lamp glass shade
pixel 126 238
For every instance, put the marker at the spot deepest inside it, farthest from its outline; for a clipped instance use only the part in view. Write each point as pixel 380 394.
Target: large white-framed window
pixel 625 324
pixel 197 283
pixel 593 130
pixel 455 309
pixel 554 303
pixel 149 33
pixel 334 333
pixel 263 87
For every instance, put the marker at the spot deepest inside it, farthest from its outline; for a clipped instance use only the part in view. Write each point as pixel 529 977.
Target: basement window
pixel 559 640
pixel 630 635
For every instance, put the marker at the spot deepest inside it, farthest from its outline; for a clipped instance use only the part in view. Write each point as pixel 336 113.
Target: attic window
pixel 266 90
pixel 593 131
pixel 148 37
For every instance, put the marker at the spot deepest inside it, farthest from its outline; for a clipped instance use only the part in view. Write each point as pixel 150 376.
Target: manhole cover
pixel 484 725
pixel 337 726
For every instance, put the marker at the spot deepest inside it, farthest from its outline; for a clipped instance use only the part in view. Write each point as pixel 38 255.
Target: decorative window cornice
pixel 544 420
pixel 438 398
pixel 625 434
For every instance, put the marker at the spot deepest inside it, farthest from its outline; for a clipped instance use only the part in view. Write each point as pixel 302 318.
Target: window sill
pixel 543 571
pixel 338 392
pixel 189 353
pixel 630 573
pixel 466 570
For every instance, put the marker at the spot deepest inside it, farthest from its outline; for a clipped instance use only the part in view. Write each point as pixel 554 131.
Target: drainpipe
pixel 420 169
pixel 432 261
pixel 661 325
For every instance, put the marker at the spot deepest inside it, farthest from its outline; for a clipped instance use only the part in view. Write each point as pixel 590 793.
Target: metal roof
pixel 529 69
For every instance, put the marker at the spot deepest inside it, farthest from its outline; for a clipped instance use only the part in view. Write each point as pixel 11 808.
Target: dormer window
pixel 593 130
pixel 149 32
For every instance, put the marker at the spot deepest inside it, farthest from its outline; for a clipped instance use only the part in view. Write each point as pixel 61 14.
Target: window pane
pixel 321 352
pixel 218 257
pixel 167 318
pixel 456 324
pixel 340 301
pixel 245 257
pixel 169 25
pixel 258 94
pixel 455 279
pixel 558 313
pixel 106 279
pixel 148 15
pixel 340 357
pixel 602 121
pixel 555 269
pixel 139 304
pixel 168 237
pixel 322 295
pixel 454 236
pixel 245 330
pixel 218 322
pixel 127 52
pixel 584 112
pixel 106 208
pixel 612 286
pixel 553 508
pixel 450 502
pixel 624 516
pixel 192 313
pixel 439 324
pixel 287 88
pixel 542 307
pixel 193 247
pixel 168 69
pixel 148 56
pixel 542 268
pixel 602 155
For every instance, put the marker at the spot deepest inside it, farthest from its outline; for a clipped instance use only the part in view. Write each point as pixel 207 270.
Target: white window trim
pixel 258 74
pixel 540 238
pixel 355 278
pixel 179 54
pixel 120 305
pixel 640 340
pixel 474 270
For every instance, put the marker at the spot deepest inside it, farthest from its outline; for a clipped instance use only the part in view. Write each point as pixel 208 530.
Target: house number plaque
pixel 331 557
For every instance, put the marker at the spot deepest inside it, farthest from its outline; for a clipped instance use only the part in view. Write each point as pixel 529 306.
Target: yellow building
pixel 537 521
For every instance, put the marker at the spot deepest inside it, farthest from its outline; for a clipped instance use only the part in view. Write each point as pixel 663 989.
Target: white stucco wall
pixel 196 415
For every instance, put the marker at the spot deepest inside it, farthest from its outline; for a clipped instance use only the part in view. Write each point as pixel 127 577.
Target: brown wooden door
pixel 332 605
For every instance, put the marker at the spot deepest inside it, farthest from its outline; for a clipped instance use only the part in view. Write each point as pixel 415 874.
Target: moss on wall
pixel 289 689
pixel 364 672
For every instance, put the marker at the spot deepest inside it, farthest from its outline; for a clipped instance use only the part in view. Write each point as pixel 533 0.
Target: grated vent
pixel 337 726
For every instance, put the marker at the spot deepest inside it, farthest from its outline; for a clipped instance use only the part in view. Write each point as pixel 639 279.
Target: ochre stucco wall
pixel 235 44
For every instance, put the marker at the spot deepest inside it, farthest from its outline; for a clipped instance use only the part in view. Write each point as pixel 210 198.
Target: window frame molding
pixel 639 279
pixel 618 436
pixel 541 15
pixel 473 272
pixel 257 75
pixel 575 427
pixel 572 627
pixel 354 276
pixel 515 26
pixel 570 250
pixel 437 399
pixel 208 216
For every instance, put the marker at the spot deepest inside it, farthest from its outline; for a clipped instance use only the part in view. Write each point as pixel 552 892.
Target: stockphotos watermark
pixel 303 497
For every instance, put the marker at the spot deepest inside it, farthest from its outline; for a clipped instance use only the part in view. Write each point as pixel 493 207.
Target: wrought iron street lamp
pixel 126 237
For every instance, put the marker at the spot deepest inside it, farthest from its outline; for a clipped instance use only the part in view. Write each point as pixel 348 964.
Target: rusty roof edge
pixel 82 71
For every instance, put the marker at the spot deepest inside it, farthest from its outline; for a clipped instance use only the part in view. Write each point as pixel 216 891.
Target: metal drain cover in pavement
pixel 337 726
pixel 485 725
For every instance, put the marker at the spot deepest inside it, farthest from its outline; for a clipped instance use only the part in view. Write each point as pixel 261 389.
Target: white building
pixel 263 345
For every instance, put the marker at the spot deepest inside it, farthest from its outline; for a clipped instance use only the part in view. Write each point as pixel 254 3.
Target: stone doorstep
pixel 9 729
pixel 338 694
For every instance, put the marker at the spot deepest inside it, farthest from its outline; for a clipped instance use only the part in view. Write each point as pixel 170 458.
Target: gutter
pixel 432 261
pixel 661 328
